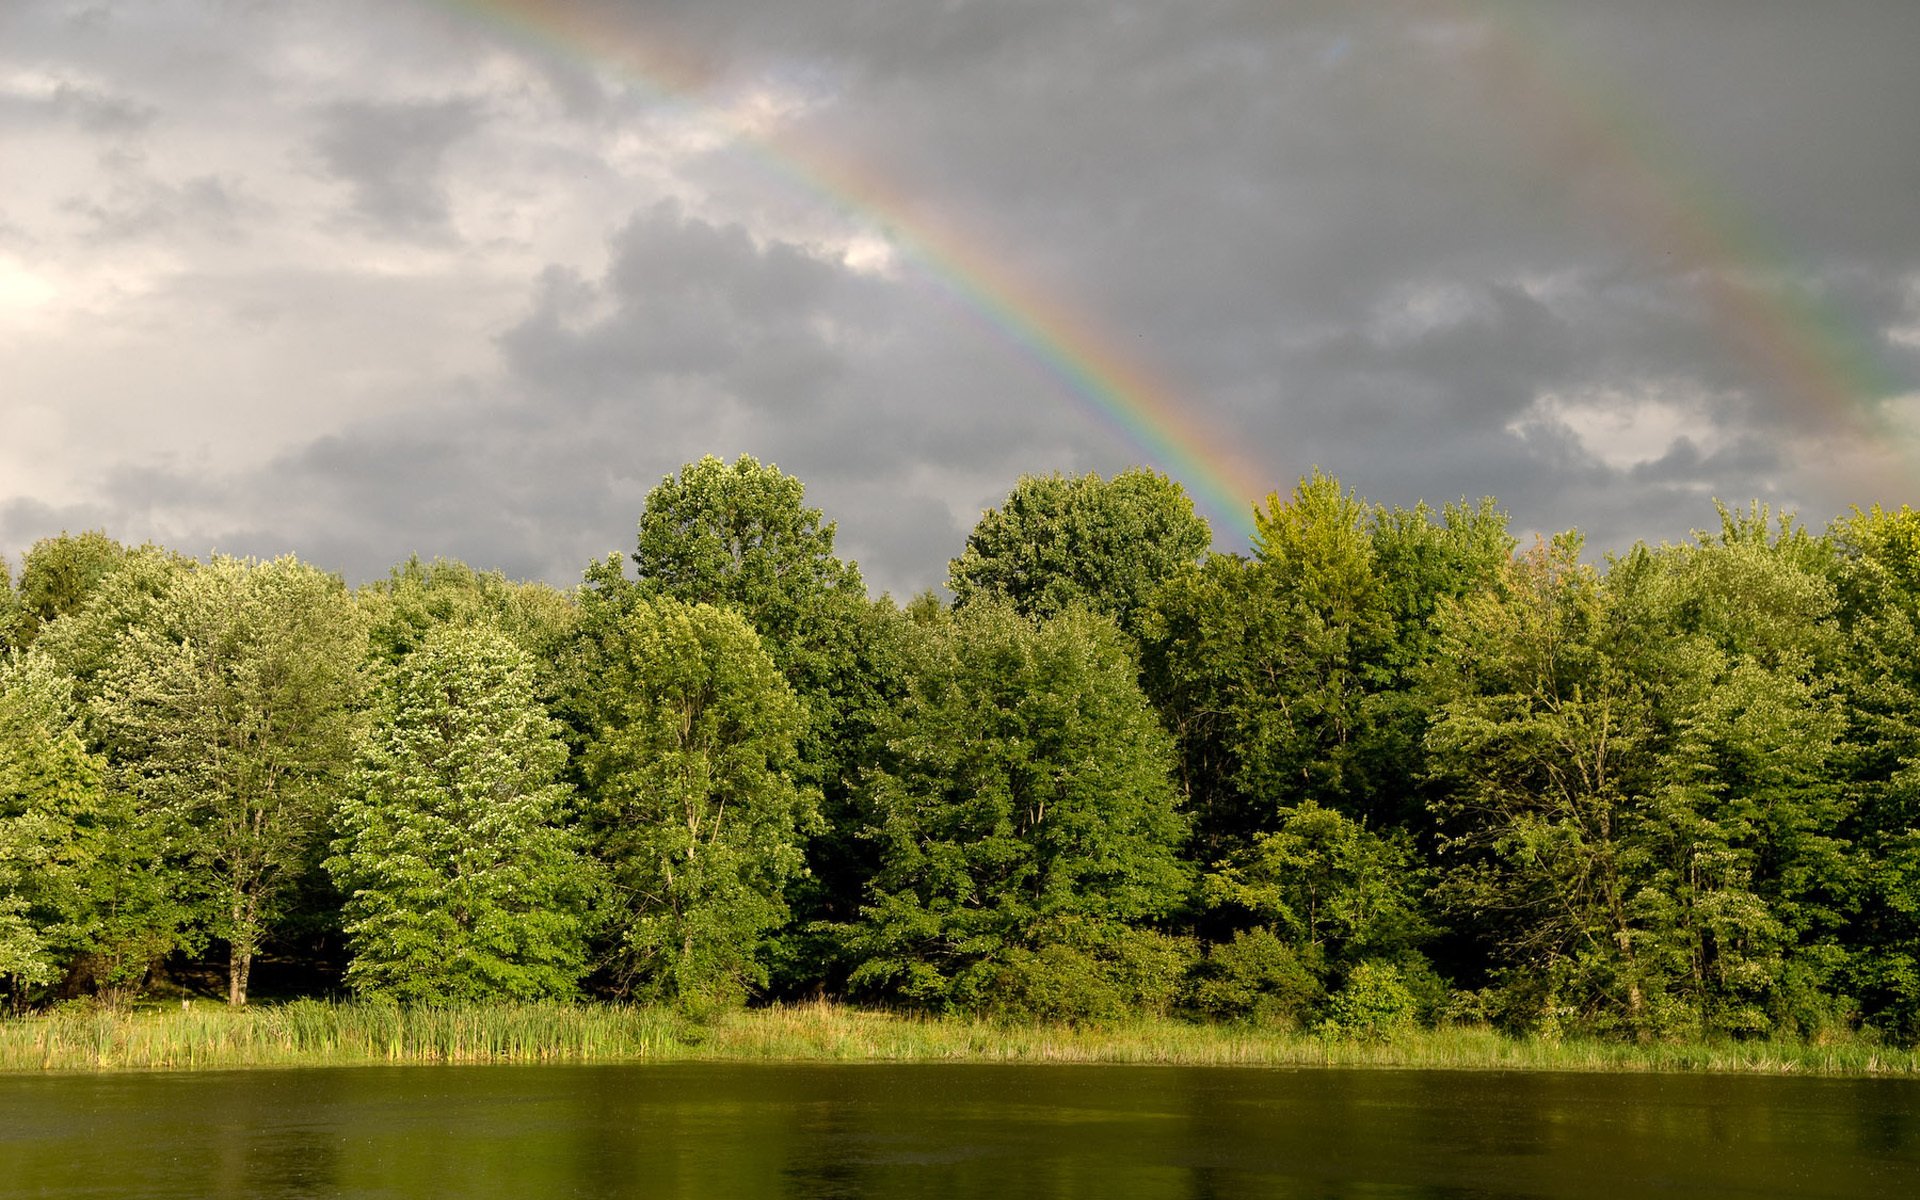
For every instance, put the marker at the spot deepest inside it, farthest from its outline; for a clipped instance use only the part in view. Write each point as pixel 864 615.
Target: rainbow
pixel 1794 341
pixel 1111 384
pixel 1819 365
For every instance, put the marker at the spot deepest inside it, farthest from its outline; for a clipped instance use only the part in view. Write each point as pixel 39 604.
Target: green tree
pixel 11 615
pixel 1292 677
pixel 741 536
pixel 416 598
pixel 1025 822
pixel 1878 595
pixel 1755 874
pixel 1063 541
pixel 50 803
pixel 1311 902
pixel 463 877
pixel 60 574
pixel 1539 740
pixel 84 640
pixel 232 708
pixel 692 798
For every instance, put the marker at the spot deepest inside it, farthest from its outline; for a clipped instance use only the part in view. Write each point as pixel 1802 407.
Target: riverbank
pixel 319 1033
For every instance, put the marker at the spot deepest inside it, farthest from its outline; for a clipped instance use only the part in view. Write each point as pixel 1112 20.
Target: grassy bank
pixel 315 1033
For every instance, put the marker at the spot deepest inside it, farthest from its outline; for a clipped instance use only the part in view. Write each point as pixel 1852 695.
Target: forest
pixel 1387 768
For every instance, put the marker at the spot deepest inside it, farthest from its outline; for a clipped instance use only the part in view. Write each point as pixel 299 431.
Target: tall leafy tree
pixel 1062 541
pixel 1878 577
pixel 232 708
pixel 689 769
pixel 1286 677
pixel 1540 738
pixel 464 877
pixel 84 638
pixel 50 806
pixel 1024 816
pixel 740 535
pixel 1756 875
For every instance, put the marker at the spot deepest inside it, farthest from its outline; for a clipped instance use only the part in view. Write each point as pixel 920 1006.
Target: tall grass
pixel 320 1033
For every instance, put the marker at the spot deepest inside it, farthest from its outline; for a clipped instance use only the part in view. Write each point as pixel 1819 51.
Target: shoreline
pixel 313 1033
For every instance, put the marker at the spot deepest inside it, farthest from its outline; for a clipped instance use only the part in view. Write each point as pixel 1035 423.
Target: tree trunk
pixel 240 952
pixel 239 966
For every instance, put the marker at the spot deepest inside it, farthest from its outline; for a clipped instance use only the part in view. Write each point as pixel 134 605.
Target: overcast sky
pixel 361 279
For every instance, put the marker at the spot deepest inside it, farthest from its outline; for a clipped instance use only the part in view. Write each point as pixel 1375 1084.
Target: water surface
pixel 1113 1133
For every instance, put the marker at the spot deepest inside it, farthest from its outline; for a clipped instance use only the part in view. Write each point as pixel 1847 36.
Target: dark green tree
pixel 689 769
pixel 59 575
pixel 1060 541
pixel 741 536
pixel 1312 901
pixel 1024 816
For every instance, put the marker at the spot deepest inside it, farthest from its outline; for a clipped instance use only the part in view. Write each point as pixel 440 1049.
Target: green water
pixel 1113 1133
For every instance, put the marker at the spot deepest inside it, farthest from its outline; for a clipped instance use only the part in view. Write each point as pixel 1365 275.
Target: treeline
pixel 1387 768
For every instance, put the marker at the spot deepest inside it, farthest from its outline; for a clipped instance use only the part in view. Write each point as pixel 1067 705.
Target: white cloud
pixel 1627 427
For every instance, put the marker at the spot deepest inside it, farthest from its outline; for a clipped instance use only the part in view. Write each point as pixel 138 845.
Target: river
pixel 1104 1132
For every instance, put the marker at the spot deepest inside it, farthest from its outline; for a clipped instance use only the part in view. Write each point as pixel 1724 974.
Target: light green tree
pixel 231 708
pixel 416 598
pixel 689 769
pixel 463 877
pixel 1061 541
pixel 83 640
pixel 11 617
pixel 50 809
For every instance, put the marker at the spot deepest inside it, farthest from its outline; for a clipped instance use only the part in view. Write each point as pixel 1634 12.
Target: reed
pixel 324 1033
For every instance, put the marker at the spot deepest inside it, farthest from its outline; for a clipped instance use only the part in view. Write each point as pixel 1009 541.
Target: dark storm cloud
pixel 391 154
pixel 1442 249
pixel 695 340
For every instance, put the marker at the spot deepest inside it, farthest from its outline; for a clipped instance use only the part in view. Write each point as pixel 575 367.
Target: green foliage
pixel 59 575
pixel 1260 978
pixel 84 641
pixel 1672 796
pixel 1329 885
pixel 1375 1004
pixel 12 616
pixel 694 809
pixel 1293 677
pixel 463 880
pixel 416 598
pixel 1024 801
pixel 1539 732
pixel 1060 542
pixel 741 536
pixel 231 707
pixel 50 808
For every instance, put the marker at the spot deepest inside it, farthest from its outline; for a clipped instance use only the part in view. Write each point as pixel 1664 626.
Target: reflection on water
pixel 1114 1133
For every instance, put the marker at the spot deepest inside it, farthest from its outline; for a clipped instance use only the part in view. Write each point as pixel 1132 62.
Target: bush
pixel 1256 977
pixel 1088 974
pixel 1375 1004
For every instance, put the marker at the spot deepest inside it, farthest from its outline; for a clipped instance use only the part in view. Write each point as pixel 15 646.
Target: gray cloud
pixel 390 154
pixel 1605 262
